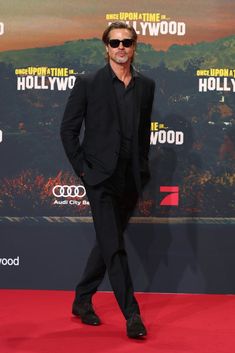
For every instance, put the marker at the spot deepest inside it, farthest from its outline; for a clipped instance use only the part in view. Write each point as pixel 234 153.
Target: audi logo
pixel 69 191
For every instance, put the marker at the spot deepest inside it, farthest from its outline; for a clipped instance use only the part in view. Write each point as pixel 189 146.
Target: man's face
pixel 121 54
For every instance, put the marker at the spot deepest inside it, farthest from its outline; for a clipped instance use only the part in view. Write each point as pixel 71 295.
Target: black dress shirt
pixel 125 102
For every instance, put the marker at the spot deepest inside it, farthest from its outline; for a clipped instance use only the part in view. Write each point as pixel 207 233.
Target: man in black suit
pixel 115 104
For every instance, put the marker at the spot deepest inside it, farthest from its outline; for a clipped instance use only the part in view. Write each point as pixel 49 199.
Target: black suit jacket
pixel 93 102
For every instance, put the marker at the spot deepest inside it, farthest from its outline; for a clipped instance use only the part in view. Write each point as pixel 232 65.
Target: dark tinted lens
pixel 114 43
pixel 127 43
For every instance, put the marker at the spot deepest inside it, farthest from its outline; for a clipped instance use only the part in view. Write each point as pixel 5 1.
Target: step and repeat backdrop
pixel 186 217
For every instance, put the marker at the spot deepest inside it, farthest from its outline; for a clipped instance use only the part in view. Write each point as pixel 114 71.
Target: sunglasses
pixel 127 43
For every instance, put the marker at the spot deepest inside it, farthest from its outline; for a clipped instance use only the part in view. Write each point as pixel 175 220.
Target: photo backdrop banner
pixel 187 47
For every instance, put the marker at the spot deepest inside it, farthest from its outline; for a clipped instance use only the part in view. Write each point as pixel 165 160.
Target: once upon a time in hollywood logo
pixel 161 134
pixel 218 79
pixel 149 24
pixel 45 78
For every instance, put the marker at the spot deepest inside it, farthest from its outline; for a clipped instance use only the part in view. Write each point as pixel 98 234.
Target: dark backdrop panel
pixel 197 258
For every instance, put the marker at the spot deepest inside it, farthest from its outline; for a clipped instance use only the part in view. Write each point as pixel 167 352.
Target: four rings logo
pixel 69 191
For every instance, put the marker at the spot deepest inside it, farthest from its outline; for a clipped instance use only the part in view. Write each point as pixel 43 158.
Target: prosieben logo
pixel 10 262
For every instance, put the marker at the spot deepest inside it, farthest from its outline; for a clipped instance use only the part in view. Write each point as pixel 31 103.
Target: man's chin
pixel 121 60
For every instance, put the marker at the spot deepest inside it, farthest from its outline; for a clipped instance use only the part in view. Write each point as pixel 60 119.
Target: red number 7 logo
pixel 173 198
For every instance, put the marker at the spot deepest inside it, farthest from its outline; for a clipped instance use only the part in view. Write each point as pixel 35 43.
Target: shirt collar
pixel 134 73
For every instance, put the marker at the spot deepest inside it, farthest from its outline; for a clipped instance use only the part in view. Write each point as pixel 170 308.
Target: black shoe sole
pixel 91 323
pixel 141 335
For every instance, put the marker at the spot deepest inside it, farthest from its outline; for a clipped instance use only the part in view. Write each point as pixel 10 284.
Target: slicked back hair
pixel 118 25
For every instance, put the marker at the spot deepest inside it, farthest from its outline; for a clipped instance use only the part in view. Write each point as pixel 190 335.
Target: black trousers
pixel 112 203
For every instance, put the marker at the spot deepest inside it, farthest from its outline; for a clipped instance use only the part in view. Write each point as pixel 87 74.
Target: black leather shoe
pixel 135 327
pixel 85 311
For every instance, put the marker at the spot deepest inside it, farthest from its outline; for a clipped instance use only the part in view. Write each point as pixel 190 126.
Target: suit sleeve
pixel 73 117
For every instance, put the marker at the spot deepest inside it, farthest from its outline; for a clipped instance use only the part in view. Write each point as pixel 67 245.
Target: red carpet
pixel 41 322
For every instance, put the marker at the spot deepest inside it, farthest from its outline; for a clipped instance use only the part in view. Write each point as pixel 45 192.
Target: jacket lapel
pixel 137 100
pixel 110 93
pixel 136 118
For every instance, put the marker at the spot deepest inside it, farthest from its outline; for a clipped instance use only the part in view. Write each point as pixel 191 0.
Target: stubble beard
pixel 120 60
